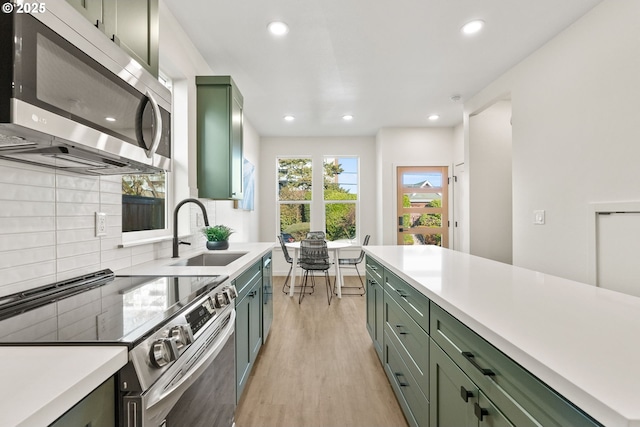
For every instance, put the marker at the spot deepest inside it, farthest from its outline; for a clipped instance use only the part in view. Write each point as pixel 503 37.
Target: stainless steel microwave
pixel 71 99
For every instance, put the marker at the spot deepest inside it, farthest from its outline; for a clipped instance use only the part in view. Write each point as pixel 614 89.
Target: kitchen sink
pixel 211 259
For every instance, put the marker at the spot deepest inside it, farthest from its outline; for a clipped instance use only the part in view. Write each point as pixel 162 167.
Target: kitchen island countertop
pixel 581 340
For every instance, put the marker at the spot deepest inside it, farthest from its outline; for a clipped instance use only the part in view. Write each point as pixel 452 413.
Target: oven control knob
pixel 181 335
pixel 231 291
pixel 163 352
pixel 219 300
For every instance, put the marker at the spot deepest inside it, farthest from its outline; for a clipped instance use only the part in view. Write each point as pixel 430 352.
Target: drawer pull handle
pixel 471 358
pixel 400 383
pixel 480 411
pixel 401 332
pixel 401 293
pixel 465 394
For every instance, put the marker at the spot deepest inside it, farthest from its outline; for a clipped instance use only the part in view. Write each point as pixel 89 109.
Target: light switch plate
pixel 101 224
pixel 538 217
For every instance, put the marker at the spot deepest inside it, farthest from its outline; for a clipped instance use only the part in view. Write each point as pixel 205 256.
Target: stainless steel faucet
pixel 176 242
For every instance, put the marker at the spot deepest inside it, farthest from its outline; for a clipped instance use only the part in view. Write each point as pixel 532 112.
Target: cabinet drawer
pixel 374 269
pixel 412 301
pixel 245 281
pixel 414 404
pixel 410 340
pixel 522 398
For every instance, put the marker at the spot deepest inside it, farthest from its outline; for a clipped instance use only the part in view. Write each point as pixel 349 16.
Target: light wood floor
pixel 318 368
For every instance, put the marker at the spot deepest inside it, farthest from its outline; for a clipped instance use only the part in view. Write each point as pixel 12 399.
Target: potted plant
pixel 217 236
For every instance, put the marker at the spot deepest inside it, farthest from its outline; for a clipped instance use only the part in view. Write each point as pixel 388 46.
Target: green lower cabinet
pixel 414 403
pixel 455 400
pixel 375 305
pixel 248 333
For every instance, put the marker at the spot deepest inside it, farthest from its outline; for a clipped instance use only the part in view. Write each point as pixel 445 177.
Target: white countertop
pixel 581 340
pixel 163 267
pixel 39 384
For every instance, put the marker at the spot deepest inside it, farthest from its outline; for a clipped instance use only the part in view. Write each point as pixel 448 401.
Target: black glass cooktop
pixel 98 308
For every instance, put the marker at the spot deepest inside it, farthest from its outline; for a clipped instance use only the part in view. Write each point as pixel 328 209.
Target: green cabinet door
pixel 219 144
pixel 134 26
pixel 255 320
pixel 452 394
pixel 131 24
pixel 267 295
pixel 375 305
pixel 243 353
pixel 92 10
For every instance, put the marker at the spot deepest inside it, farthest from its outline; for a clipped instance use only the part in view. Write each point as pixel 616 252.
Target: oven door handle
pixel 202 364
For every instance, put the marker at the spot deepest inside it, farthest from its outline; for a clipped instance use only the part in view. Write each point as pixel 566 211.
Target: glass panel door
pixel 423 206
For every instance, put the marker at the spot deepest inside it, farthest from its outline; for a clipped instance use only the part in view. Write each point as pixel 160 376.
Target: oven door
pixel 201 391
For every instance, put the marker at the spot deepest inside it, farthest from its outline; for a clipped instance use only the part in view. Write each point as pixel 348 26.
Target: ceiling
pixel 387 63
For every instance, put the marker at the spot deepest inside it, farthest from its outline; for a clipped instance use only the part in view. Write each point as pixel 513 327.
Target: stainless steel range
pixel 179 331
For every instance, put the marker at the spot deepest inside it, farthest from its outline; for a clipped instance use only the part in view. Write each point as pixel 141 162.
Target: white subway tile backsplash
pixel 75 209
pixel 77 265
pixel 26 272
pixel 25 224
pixel 77 249
pixel 18 208
pixel 11 242
pixel 19 173
pixel 47 227
pixel 76 196
pixel 27 256
pixel 78 235
pixel 72 223
pixel 111 198
pixel 76 182
pixel 117 264
pixel 26 192
pixel 111 186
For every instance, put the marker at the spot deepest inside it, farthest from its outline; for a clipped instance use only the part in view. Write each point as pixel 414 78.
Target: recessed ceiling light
pixel 110 119
pixel 434 117
pixel 347 117
pixel 289 118
pixel 278 28
pixel 472 27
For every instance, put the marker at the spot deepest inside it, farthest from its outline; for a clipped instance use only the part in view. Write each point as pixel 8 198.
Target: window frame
pixel 317 203
pixel 356 201
pixel 279 202
pixel 133 237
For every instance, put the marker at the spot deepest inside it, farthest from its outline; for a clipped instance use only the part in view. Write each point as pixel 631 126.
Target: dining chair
pixel 353 262
pixel 316 235
pixel 314 256
pixel 287 257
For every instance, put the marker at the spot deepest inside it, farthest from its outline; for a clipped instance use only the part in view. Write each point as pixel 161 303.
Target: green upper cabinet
pixel 219 156
pixel 132 24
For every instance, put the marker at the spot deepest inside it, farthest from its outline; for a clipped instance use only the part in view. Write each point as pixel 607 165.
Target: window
pixel 144 202
pixel 144 198
pixel 294 197
pixel 335 208
pixel 340 197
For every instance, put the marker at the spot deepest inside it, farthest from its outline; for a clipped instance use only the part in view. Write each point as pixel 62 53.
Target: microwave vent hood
pixel 70 99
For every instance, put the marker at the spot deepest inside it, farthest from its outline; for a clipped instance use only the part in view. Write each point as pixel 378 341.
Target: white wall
pixel 489 178
pixel 406 147
pixel 315 148
pixel 575 134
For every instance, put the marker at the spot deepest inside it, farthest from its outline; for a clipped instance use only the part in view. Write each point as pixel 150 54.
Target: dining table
pixel 334 248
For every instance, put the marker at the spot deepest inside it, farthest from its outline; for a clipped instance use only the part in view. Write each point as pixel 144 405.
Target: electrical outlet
pixel 538 217
pixel 101 224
